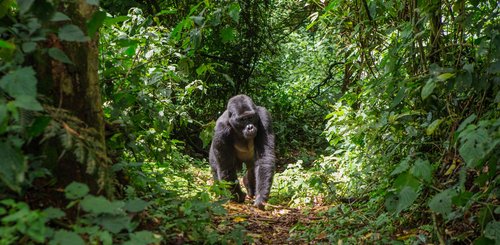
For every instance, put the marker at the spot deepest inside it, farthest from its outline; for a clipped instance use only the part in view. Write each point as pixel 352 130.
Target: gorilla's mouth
pixel 250 133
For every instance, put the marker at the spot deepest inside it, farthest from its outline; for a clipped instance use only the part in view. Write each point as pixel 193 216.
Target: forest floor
pixel 273 225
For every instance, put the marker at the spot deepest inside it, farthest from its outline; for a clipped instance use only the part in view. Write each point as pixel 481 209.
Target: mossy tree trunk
pixel 79 153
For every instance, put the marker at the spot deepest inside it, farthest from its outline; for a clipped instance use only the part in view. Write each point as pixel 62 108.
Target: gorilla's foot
pixel 238 197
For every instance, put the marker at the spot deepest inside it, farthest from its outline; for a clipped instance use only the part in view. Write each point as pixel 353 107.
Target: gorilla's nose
pixel 250 127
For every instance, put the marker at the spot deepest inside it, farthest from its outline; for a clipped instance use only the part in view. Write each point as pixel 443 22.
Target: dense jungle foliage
pixel 386 115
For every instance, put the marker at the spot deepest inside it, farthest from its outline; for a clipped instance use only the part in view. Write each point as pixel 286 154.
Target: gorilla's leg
pixel 230 176
pixel 249 180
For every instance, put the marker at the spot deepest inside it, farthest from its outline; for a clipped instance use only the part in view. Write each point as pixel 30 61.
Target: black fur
pixel 243 133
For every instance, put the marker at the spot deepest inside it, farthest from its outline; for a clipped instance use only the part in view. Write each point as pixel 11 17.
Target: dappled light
pixel 249 122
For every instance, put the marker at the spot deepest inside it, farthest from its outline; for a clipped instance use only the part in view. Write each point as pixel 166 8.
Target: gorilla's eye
pixel 247 119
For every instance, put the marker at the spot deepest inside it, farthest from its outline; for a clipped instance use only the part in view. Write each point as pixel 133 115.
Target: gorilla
pixel 243 133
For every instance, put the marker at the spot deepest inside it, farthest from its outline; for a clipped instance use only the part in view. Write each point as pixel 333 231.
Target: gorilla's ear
pixel 230 114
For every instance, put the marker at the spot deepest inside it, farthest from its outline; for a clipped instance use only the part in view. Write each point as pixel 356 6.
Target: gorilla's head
pixel 243 116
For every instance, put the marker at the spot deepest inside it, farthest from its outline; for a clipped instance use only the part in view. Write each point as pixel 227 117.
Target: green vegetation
pixel 386 114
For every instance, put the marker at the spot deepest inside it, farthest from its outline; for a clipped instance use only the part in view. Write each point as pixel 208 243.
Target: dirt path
pixel 268 227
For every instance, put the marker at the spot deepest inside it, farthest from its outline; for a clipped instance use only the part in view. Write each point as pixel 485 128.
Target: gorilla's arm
pixel 222 157
pixel 265 159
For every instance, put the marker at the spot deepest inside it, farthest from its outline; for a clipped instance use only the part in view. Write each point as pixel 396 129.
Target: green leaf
pixel 72 33
pixel 53 213
pixel 12 166
pixel 492 231
pixel 422 169
pixel 474 145
pixel 101 205
pixel 7 45
pixel 494 68
pixel 136 205
pixel 227 34
pixel 406 179
pixel 76 190
pixel 63 237
pixel 24 5
pixel 195 37
pixel 20 82
pixel 391 202
pixel 466 122
pixel 143 238
pixel 59 55
pixel 3 113
pixel 198 20
pixel 445 76
pixel 58 16
pixel 109 21
pixel 96 22
pixel 114 223
pixel 402 166
pixel 406 198
pixel 105 237
pixel 38 126
pixel 331 5
pixel 399 97
pixel 441 202
pixel 234 12
pixel 428 88
pixel 29 47
pixel 433 126
pixel 28 103
pixel 483 241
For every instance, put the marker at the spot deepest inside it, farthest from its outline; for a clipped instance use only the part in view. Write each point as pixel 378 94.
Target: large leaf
pixel 53 213
pixel 445 76
pixel 136 205
pixel 7 45
pixel 433 126
pixel 441 202
pixel 101 205
pixel 29 47
pixel 227 34
pixel 428 88
pixel 406 180
pixel 143 238
pixel 59 55
pixel 114 223
pixel 20 82
pixel 406 198
pixel 402 167
pixel 96 22
pixel 72 33
pixel 466 122
pixel 492 231
pixel 58 16
pixel 76 190
pixel 234 12
pixel 391 202
pixel 474 145
pixel 422 169
pixel 12 166
pixel 24 5
pixel 28 102
pixel 63 237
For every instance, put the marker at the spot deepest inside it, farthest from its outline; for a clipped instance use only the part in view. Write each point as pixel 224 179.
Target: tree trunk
pixel 74 93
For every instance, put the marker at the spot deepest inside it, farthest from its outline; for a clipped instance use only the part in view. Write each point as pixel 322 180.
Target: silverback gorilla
pixel 243 133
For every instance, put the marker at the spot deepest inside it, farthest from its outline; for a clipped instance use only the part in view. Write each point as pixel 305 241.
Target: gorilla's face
pixel 242 116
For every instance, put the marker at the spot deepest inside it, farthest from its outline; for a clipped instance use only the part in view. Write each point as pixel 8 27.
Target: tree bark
pixel 76 105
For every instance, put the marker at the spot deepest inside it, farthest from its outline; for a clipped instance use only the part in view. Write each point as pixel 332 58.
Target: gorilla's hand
pixel 259 203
